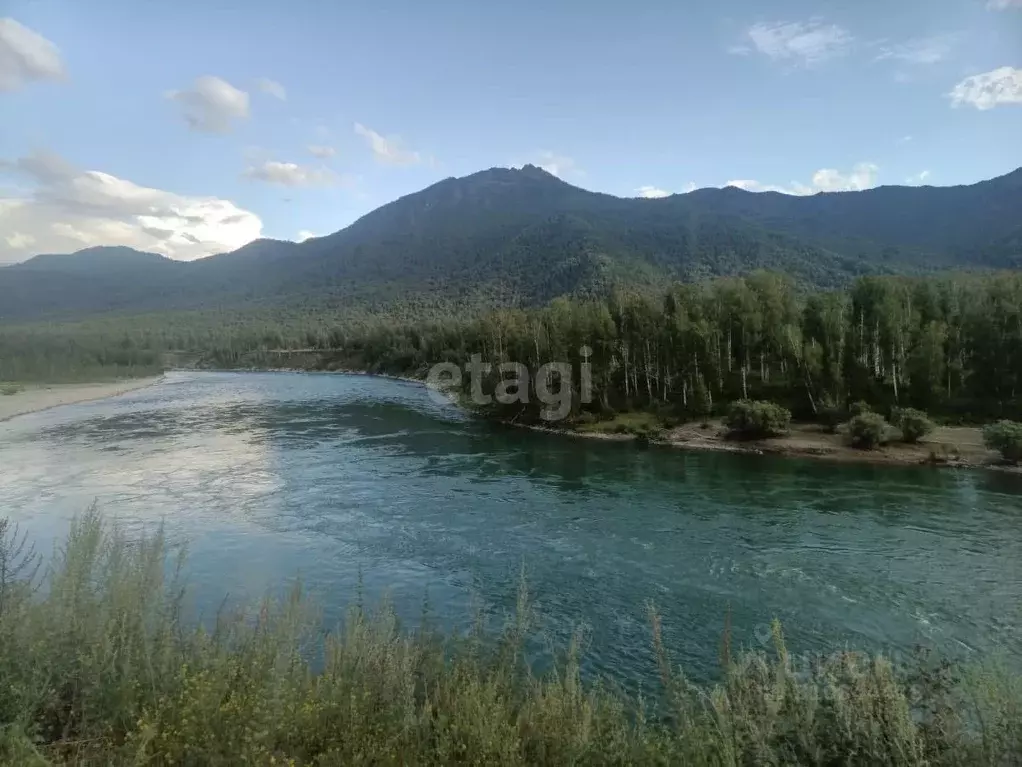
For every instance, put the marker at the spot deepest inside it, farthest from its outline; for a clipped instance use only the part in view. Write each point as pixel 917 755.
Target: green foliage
pixel 8 390
pixel 859 408
pixel 1006 438
pixel 914 424
pixel 101 668
pixel 747 419
pixel 948 344
pixel 867 431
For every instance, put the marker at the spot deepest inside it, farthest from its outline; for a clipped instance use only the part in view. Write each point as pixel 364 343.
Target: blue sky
pixel 190 128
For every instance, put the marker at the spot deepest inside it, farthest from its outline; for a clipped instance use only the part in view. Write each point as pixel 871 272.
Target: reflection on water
pixel 341 477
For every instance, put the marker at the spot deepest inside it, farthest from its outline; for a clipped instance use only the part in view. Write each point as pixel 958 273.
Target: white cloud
pixel 862 176
pixel 1003 5
pixel 987 90
pixel 751 185
pixel 808 42
pixel 26 56
pixel 69 208
pixel 928 50
pixel 304 235
pixel 321 151
pixel 388 151
pixel 651 192
pixel 918 178
pixel 19 241
pixel 212 104
pixel 904 139
pixel 290 174
pixel 272 88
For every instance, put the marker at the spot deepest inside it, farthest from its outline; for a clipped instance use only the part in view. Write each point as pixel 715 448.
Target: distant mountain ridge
pixel 523 236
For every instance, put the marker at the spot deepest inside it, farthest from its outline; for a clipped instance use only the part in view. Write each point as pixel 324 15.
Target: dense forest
pixel 951 345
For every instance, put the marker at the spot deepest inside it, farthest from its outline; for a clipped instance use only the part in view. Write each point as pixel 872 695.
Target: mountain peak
pixel 537 172
pixel 513 236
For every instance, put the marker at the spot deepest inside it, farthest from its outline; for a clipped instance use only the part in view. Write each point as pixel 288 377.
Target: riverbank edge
pixel 847 454
pixel 42 397
pixel 832 454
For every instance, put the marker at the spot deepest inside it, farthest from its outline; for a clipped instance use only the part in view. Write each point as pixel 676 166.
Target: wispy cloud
pixel 26 56
pixel 291 174
pixel 387 150
pixel 321 151
pixel 925 50
pixel 918 178
pixel 989 89
pixel 211 104
pixel 804 42
pixel 272 88
pixel 1003 5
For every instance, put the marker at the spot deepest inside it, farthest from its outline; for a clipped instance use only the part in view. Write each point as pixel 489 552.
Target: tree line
pixel 949 344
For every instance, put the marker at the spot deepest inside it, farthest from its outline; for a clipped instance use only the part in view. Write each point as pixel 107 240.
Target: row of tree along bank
pixel 950 345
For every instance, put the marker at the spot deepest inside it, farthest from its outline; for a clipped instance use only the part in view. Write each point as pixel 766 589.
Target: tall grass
pixel 97 666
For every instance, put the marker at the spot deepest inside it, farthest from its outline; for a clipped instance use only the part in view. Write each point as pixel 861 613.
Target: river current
pixel 346 479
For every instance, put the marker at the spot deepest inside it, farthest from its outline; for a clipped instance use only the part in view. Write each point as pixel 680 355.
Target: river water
pixel 346 478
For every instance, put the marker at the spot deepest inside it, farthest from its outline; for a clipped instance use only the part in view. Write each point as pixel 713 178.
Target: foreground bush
pixel 99 668
pixel 752 419
pixel 1006 438
pixel 868 431
pixel 914 424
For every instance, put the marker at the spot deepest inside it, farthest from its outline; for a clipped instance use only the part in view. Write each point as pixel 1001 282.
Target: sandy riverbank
pixel 947 446
pixel 951 446
pixel 35 397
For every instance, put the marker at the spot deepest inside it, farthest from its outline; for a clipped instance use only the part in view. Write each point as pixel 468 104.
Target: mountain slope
pixel 513 237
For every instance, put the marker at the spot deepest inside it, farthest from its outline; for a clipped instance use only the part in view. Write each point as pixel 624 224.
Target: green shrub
pixel 99 667
pixel 868 431
pixel 1006 438
pixel 753 419
pixel 9 389
pixel 914 424
pixel 859 408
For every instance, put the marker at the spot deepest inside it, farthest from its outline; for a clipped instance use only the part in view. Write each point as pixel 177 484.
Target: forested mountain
pixel 510 237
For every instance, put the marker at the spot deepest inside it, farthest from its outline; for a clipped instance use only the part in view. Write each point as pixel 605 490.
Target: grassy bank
pixel 98 667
